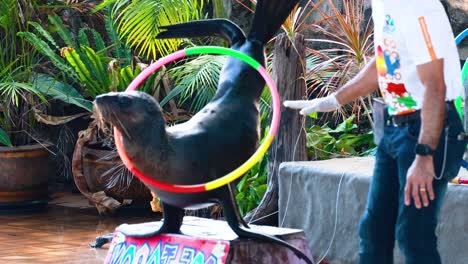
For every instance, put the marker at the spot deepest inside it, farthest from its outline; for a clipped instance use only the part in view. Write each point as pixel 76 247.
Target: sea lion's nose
pixel 105 99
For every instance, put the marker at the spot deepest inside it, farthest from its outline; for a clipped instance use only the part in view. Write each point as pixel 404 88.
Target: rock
pixel 457 11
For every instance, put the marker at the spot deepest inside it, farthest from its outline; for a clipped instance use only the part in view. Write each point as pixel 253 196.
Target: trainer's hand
pixel 419 182
pixel 324 104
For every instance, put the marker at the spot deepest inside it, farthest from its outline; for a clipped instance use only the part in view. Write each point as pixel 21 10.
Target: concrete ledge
pixel 307 199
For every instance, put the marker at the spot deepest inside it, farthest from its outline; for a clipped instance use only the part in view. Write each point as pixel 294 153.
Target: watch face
pixel 424 150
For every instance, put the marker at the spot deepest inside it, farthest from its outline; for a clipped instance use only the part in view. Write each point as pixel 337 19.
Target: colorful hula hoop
pixel 235 174
pixel 464 73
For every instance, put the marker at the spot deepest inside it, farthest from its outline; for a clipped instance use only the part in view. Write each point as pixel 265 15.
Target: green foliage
pixel 325 143
pixel 253 185
pixel 17 57
pixel 44 48
pixel 89 68
pixel 138 21
pixel 196 79
pixel 5 139
pixel 349 46
pixel 61 91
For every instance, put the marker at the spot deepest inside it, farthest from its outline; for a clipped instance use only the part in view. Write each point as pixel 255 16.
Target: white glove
pixel 324 104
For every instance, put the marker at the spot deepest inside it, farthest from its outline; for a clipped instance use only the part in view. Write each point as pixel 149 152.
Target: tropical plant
pixel 139 22
pixel 324 142
pixel 253 184
pixel 195 80
pixel 348 35
pixel 92 70
pixel 17 86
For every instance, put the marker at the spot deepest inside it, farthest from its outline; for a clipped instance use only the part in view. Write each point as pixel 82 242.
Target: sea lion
pixel 215 141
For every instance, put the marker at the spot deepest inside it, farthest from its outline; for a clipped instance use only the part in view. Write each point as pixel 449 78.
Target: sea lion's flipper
pixel 173 217
pixel 102 240
pixel 204 28
pixel 231 215
pixel 233 204
pixel 268 18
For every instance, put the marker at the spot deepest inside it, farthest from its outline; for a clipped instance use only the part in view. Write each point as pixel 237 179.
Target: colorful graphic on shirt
pixel 408 101
pixel 385 63
pixel 388 63
pixel 397 89
pixel 389 24
pixel 380 60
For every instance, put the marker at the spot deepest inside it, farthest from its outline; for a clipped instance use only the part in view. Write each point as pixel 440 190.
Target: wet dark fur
pixel 223 135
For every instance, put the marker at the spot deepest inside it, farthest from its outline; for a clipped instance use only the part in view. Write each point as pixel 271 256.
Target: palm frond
pixel 138 22
pixel 197 80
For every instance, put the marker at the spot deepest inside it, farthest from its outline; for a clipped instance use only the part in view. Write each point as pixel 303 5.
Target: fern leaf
pixel 103 4
pixel 80 68
pixel 121 51
pixel 97 66
pixel 44 33
pixel 83 37
pixel 139 22
pixel 63 31
pixel 127 76
pixel 98 41
pixel 45 49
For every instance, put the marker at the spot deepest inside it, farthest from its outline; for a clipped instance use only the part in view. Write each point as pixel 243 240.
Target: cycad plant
pixel 85 66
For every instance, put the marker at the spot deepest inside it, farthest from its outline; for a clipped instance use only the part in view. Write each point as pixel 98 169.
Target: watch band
pixel 424 150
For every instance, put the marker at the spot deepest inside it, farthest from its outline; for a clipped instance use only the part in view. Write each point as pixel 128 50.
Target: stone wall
pixel 309 199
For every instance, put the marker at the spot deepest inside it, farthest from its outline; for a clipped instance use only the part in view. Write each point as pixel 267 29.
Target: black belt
pixel 401 120
pixel 405 119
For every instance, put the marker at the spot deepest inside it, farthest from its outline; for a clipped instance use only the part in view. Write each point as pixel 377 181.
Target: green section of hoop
pixel 223 51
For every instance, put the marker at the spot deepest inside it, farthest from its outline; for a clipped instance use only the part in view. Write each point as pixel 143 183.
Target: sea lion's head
pixel 131 112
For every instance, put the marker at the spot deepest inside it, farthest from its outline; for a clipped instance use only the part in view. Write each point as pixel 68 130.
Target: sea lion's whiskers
pixel 125 131
pixel 120 177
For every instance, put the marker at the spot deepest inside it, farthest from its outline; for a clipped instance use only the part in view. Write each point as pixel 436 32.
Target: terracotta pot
pixel 24 173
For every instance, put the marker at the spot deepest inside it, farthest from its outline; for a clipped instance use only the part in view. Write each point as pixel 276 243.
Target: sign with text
pixel 166 249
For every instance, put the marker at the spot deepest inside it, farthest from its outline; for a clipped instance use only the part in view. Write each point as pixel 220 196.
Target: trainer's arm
pixel 421 172
pixel 364 83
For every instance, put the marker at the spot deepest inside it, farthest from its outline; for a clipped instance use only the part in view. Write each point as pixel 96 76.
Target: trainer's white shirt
pixel 409 33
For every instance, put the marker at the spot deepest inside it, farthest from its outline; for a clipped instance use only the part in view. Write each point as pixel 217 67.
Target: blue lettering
pixel 129 254
pixel 156 256
pixel 187 255
pixel 142 254
pixel 117 251
pixel 169 253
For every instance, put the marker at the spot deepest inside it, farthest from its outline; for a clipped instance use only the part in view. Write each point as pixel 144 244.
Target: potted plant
pixel 24 153
pixel 94 69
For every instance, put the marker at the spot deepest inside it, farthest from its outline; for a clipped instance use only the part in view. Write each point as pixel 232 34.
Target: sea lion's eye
pixel 124 101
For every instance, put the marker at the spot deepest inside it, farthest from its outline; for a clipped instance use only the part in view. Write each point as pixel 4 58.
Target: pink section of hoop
pixel 154 67
pixel 275 121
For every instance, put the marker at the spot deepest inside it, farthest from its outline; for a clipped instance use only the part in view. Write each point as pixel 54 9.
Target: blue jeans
pixel 386 217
